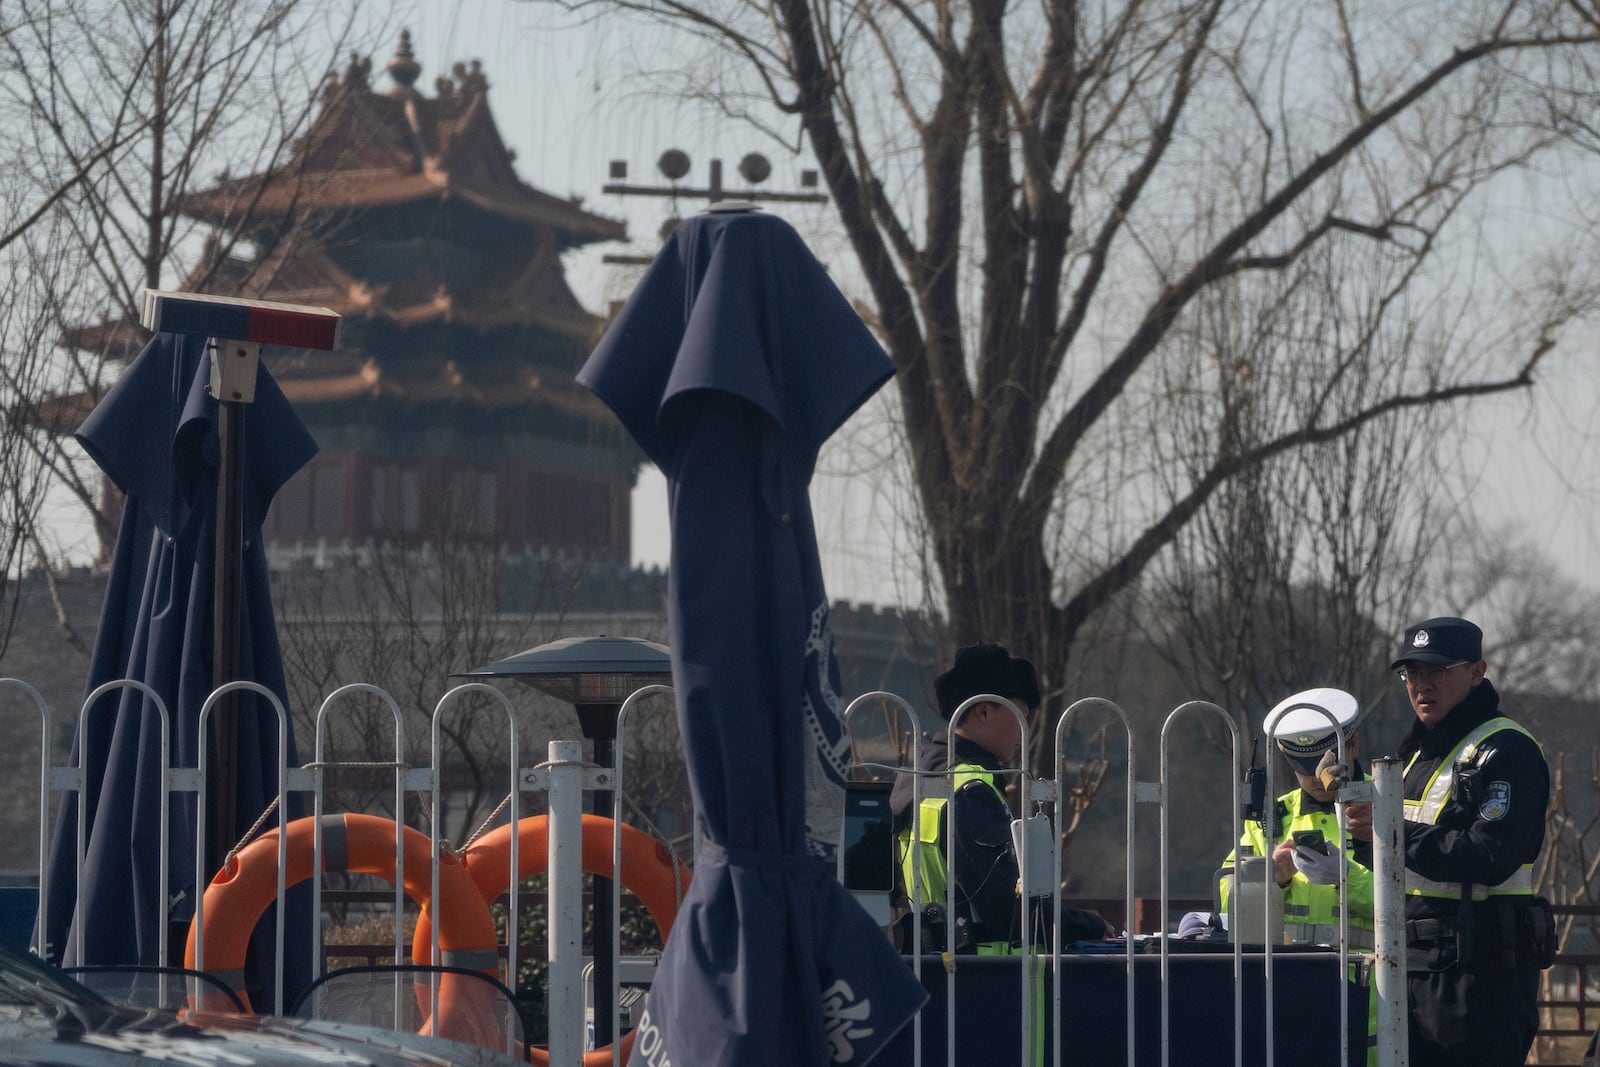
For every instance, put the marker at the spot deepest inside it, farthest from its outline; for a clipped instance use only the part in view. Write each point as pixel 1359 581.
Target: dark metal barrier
pixel 1093 1007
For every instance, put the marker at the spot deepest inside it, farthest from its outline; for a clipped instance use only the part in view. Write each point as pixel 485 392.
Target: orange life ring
pixel 361 844
pixel 649 871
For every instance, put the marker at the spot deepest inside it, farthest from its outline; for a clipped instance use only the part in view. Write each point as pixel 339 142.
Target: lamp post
pixel 595 675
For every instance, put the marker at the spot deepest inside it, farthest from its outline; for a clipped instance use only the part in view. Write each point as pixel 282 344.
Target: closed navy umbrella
pixel 731 364
pixel 155 436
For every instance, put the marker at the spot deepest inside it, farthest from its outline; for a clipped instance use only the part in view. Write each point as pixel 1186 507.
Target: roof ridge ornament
pixel 469 78
pixel 358 70
pixel 403 68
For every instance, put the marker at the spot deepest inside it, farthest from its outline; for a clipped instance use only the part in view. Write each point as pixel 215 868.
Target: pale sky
pixel 563 104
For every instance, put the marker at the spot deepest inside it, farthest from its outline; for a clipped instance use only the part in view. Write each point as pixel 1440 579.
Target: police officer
pixel 1308 876
pixel 1476 791
pixel 981 858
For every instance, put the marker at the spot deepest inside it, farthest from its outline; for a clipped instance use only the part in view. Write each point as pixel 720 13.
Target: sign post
pixel 236 328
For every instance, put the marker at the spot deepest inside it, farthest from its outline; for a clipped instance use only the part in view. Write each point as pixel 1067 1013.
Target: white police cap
pixel 1301 729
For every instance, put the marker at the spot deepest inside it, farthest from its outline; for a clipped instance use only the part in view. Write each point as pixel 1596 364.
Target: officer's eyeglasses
pixel 1420 672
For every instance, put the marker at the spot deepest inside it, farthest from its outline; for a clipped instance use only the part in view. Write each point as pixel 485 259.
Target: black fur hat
pixel 986 668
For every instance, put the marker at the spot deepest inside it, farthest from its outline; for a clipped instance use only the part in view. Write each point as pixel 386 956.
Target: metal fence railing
pixel 1141 983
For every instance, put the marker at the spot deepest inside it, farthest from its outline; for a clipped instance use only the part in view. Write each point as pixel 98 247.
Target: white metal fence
pixel 1386 789
pixel 564 777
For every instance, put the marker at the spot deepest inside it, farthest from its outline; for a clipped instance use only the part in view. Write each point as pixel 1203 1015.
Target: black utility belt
pixel 1425 931
pixel 1514 930
pixel 1485 918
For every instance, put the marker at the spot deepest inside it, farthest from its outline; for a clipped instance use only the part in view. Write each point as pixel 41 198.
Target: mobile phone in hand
pixel 1312 840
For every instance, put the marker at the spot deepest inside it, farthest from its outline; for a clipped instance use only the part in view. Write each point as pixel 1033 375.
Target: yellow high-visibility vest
pixel 935 870
pixel 1436 797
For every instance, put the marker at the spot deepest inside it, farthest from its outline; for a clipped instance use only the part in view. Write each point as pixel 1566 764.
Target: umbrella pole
pixel 233 374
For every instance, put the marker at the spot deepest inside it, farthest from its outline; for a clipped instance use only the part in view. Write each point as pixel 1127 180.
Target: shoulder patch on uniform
pixel 1496 803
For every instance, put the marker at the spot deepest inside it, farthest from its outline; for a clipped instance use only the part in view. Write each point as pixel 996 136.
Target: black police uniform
pixel 1474 969
pixel 983 865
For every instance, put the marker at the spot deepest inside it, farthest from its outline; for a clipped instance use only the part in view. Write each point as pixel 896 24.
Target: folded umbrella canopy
pixel 731 364
pixel 155 436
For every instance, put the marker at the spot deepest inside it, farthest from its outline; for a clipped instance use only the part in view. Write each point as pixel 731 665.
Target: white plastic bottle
pixel 1260 901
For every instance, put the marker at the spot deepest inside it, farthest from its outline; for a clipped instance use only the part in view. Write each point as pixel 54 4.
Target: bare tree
pixel 1541 625
pixel 1569 873
pixel 655 775
pixel 1291 573
pixel 24 333
pixel 406 615
pixel 1042 201
pixel 114 113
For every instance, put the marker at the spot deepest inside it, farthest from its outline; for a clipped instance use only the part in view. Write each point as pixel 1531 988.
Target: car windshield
pixel 28 980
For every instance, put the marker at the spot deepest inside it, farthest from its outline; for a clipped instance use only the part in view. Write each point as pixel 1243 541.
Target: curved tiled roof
pixel 299 269
pixel 404 214
pixel 369 149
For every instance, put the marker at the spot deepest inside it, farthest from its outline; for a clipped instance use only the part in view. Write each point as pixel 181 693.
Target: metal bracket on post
pixel 233 369
pixel 1147 793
